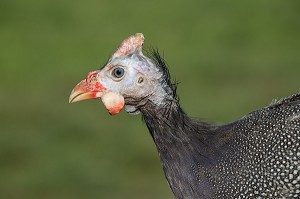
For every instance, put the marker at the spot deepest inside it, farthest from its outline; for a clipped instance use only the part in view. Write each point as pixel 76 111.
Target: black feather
pixel 160 62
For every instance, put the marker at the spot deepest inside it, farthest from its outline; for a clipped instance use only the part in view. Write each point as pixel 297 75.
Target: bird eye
pixel 118 72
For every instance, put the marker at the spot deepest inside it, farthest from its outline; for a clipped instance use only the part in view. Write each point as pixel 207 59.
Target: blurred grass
pixel 231 57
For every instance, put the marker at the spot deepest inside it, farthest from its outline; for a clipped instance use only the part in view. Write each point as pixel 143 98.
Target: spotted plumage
pixel 264 156
pixel 257 156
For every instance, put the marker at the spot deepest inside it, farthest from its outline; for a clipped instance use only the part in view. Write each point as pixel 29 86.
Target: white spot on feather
pixel 294 117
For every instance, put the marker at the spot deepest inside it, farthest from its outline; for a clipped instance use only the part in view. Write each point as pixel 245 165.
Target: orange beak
pixel 87 90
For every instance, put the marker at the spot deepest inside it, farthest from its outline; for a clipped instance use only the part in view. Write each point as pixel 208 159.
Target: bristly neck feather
pixel 165 81
pixel 168 113
pixel 182 142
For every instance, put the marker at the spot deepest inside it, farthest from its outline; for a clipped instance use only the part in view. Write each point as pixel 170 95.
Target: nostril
pixel 92 77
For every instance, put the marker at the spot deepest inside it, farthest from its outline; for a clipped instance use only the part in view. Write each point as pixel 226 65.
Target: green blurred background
pixel 231 57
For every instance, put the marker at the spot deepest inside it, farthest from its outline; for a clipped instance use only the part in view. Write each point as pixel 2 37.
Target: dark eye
pixel 118 72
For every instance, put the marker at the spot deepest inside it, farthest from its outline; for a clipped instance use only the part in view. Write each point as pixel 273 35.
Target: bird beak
pixel 91 88
pixel 79 94
pixel 86 90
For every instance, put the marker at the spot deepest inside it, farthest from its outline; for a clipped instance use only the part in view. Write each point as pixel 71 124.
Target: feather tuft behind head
pixel 171 86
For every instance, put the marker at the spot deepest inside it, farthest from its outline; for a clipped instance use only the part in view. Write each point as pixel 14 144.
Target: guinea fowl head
pixel 129 79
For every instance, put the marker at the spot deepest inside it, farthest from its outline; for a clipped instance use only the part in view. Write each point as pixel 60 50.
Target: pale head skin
pixel 136 82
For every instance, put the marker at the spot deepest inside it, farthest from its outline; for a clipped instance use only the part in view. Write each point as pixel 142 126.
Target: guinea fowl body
pixel 257 156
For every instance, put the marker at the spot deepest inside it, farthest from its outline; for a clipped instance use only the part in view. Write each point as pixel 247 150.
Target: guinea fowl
pixel 257 156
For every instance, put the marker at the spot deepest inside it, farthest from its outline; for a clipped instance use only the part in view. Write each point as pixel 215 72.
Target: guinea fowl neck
pixel 182 143
pixel 165 121
pixel 170 126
